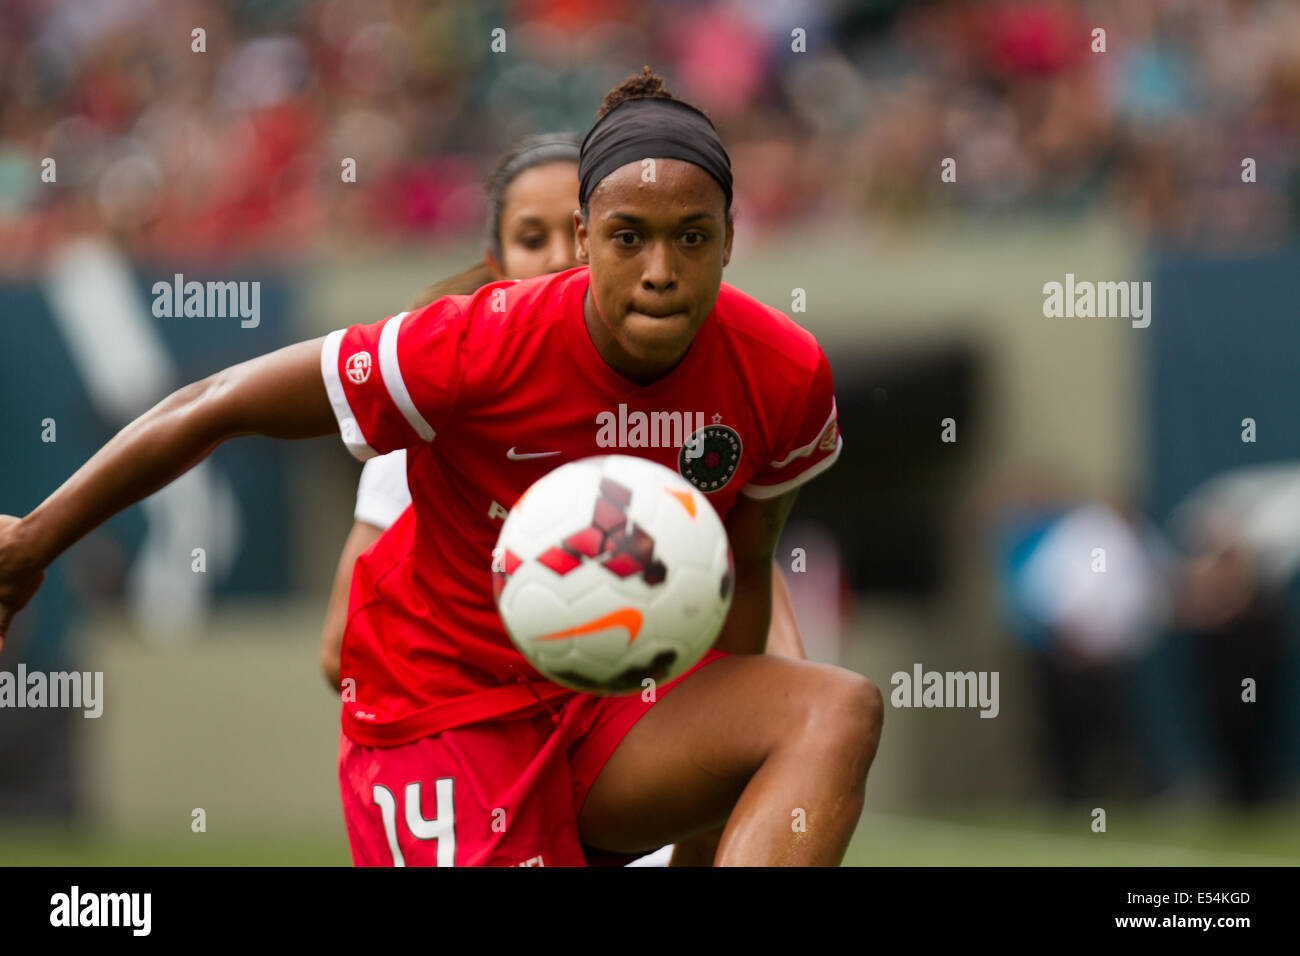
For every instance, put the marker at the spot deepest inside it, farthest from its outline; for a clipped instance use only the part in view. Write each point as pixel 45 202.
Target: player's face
pixel 656 250
pixel 537 222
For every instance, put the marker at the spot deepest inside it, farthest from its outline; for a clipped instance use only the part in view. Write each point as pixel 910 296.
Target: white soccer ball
pixel 612 570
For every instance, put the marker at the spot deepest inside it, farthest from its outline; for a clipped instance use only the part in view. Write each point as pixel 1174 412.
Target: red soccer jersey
pixel 489 392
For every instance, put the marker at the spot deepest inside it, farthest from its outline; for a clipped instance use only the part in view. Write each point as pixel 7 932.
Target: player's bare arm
pixel 362 536
pixel 783 636
pixel 280 395
pixel 753 526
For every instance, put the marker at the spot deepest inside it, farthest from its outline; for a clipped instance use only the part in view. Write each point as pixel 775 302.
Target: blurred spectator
pixel 1087 588
pixel 1242 530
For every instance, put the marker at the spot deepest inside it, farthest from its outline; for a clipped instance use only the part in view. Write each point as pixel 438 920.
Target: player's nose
pixel 560 254
pixel 658 271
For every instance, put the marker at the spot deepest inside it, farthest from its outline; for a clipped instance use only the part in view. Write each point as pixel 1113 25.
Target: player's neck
pixel 614 355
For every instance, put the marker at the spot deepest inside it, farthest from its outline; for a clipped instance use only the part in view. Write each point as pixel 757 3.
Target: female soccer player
pixel 454 750
pixel 531 195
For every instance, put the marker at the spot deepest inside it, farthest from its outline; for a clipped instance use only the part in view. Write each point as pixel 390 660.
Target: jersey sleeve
pixel 393 384
pixel 810 447
pixel 382 494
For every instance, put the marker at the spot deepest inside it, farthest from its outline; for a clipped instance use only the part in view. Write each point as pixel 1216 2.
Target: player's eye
pixel 694 238
pixel 535 241
pixel 626 238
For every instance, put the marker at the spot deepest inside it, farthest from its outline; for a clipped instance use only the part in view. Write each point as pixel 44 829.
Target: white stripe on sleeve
pixel 348 427
pixel 752 490
pixel 392 374
pixel 807 449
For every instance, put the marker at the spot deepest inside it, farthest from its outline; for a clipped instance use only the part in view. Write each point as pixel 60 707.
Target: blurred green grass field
pixel 1134 837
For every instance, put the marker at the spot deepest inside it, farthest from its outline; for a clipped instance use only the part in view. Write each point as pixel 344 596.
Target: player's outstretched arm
pixel 280 395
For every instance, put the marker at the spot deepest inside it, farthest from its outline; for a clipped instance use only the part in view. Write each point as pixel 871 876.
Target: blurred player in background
pixel 531 196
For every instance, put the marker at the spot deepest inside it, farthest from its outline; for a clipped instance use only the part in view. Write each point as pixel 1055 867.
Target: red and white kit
pixel 487 393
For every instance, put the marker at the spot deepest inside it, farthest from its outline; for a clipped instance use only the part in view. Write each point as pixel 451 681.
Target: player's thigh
pixel 682 766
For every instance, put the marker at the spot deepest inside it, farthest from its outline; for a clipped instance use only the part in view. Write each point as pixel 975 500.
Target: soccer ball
pixel 612 570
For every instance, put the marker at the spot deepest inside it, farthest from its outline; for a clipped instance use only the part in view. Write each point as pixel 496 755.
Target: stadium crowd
pixel 237 150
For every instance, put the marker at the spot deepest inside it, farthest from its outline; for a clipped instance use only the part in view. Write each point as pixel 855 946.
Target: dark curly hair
pixel 645 84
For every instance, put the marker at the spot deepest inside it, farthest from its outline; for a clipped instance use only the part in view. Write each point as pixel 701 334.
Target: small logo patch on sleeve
pixel 358 367
pixel 829 436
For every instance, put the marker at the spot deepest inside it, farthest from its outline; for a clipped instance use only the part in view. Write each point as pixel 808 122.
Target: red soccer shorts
pixel 495 793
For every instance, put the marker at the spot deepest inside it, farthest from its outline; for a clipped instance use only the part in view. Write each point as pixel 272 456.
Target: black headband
pixel 645 127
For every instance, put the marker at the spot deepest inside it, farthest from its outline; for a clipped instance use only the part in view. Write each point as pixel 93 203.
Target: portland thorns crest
pixel 712 467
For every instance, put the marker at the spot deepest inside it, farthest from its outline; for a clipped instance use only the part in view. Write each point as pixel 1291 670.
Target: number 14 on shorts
pixel 441 828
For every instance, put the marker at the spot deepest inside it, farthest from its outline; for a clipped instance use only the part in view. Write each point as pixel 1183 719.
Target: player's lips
pixel 657 315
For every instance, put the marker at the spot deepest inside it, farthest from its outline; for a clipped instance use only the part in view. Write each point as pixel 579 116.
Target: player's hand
pixel 18 581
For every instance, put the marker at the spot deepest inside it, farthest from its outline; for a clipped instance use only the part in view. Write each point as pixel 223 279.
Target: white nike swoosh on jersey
pixel 515 456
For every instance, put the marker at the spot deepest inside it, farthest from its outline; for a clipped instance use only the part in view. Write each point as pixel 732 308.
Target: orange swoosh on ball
pixel 628 617
pixel 685 499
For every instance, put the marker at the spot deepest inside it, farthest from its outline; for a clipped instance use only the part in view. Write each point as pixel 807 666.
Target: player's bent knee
pixel 848 715
pixel 873 706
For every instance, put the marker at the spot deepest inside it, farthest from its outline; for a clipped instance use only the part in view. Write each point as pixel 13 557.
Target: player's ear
pixel 726 243
pixel 494 265
pixel 580 245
